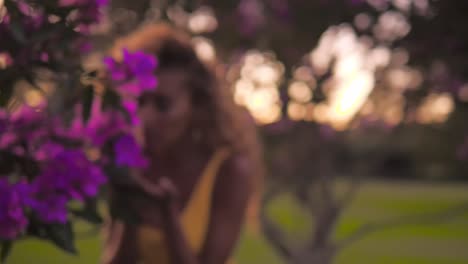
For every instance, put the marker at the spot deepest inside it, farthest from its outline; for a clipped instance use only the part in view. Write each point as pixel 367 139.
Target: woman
pixel 205 163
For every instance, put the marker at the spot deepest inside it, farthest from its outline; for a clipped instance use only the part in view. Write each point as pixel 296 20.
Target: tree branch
pixel 351 192
pixel 272 231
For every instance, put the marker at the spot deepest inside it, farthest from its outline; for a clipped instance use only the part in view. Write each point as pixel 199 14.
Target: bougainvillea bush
pixel 55 155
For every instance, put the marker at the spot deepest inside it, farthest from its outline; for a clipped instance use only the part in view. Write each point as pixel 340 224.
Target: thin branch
pixel 272 231
pixel 324 226
pixel 326 187
pixel 351 192
pixel 422 219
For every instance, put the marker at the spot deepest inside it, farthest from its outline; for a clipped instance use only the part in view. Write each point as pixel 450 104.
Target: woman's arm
pixel 179 251
pixel 229 202
pixel 231 194
pixel 120 243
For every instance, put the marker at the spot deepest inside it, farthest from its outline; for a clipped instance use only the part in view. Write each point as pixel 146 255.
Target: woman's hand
pixel 163 191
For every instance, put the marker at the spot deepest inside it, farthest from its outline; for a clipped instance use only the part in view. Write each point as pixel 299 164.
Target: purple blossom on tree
pixel 25 124
pixel 104 126
pixel 48 207
pixel 12 218
pixel 67 176
pixel 48 150
pixel 135 74
pixel 128 153
pixel 131 106
pixel 72 174
pixel 38 142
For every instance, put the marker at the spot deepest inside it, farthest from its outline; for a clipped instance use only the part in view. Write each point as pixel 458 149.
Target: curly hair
pixel 228 124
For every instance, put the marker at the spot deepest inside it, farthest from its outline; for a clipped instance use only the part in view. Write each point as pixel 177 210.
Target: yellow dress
pixel 194 218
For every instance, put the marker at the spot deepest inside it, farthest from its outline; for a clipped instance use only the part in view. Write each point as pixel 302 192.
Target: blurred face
pixel 166 112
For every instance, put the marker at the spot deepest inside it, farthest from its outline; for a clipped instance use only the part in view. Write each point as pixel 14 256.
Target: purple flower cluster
pixel 25 44
pixel 128 153
pixel 65 173
pixel 135 74
pixel 67 176
pixel 24 125
pixel 105 126
pixel 13 220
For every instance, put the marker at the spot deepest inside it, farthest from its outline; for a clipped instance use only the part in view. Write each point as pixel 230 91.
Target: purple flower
pixel 139 63
pixel 7 139
pixel 70 172
pixel 132 109
pixel 135 74
pixel 49 207
pixel 33 18
pixel 68 176
pixel 118 71
pixel 25 124
pixel 27 115
pixel 48 150
pixel 128 153
pixel 12 218
pixel 104 126
pixel 29 122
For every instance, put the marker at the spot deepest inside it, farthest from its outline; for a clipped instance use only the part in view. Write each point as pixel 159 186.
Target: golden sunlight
pixel 204 49
pixel 436 108
pixel 300 92
pixel 33 97
pixel 257 87
pixel 349 97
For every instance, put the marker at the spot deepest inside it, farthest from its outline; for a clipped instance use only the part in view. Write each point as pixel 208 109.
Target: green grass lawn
pixel 445 243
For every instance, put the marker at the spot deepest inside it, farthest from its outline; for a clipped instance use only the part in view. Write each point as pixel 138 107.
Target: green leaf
pixel 111 99
pixel 62 236
pixel 5 251
pixel 122 186
pixel 88 96
pixel 118 175
pixel 29 77
pixel 89 212
pixel 17 31
pixel 44 34
pixel 6 89
pixel 120 209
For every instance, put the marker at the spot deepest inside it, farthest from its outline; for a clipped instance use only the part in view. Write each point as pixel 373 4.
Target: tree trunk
pixel 316 256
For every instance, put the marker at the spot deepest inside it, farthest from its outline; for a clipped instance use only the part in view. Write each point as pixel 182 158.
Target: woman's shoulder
pixel 236 171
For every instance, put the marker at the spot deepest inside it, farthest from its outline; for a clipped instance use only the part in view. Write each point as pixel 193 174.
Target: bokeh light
pixel 300 91
pixel 260 75
pixel 204 49
pixel 202 20
pixel 435 108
